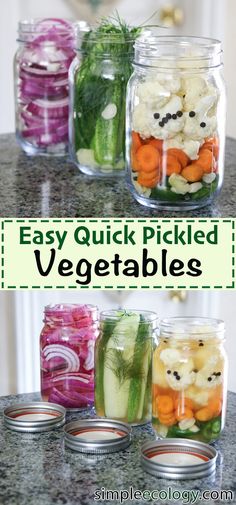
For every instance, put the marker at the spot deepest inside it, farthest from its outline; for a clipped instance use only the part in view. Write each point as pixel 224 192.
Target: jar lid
pixel 34 417
pixel 178 458
pixel 97 436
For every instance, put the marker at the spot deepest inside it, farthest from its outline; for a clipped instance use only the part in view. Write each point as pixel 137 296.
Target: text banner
pixel 118 253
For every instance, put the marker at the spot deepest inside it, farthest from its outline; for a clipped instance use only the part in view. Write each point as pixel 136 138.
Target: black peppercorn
pixel 203 125
pixel 174 116
pixel 179 113
pixel 209 379
pixel 175 373
pixel 192 113
pixel 177 377
pixel 168 371
pixel 201 344
pixel 156 115
pixel 165 120
pixel 161 124
pixel 168 115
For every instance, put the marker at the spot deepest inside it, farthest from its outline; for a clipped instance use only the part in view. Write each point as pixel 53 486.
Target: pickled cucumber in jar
pixel 123 367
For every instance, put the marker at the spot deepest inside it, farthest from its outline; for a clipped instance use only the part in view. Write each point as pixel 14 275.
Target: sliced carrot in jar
pixel 158 144
pixel 134 163
pixel 206 161
pixel 216 406
pixel 187 413
pixel 136 141
pixel 168 419
pixel 171 165
pixel 165 404
pixel 181 156
pixel 148 158
pixel 193 172
pixel 182 403
pixel 204 414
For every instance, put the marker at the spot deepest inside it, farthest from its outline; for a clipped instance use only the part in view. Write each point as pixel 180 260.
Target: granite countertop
pixel 53 187
pixel 36 469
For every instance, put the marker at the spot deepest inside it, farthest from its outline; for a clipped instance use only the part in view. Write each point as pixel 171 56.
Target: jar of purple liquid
pixel 67 354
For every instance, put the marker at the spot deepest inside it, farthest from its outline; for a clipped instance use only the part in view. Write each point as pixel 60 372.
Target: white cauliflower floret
pixel 201 125
pixel 199 397
pixel 140 121
pixel 170 356
pixel 171 83
pixel 210 375
pixel 181 375
pixel 190 147
pixel 152 91
pixel 193 89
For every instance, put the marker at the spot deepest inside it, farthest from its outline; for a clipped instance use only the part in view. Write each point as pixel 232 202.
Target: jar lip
pixel 68 307
pixel 115 315
pixel 41 30
pixel 191 326
pixel 177 51
pixel 184 40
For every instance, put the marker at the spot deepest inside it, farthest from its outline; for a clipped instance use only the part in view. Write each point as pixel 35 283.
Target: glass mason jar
pixel 67 354
pixel 176 111
pixel 190 379
pixel 46 50
pixel 98 82
pixel 123 371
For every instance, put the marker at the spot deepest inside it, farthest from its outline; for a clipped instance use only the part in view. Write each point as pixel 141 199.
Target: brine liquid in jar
pixel 189 379
pixel 67 345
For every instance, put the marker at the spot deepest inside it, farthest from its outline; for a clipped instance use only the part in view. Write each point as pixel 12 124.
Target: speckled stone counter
pixel 36 469
pixel 53 187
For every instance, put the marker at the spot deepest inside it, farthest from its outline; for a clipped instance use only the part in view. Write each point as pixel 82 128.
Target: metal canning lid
pixel 34 417
pixel 97 436
pixel 178 458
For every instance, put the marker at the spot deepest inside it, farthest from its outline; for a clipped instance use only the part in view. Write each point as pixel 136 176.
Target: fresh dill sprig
pixel 123 369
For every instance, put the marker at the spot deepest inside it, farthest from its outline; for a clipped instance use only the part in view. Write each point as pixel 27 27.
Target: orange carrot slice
pixel 204 414
pixel 165 404
pixel 167 420
pixel 158 144
pixel 181 156
pixel 182 403
pixel 186 413
pixel 134 162
pixel 171 164
pixel 136 141
pixel 193 172
pixel 148 158
pixel 206 160
pixel 143 181
pixel 215 405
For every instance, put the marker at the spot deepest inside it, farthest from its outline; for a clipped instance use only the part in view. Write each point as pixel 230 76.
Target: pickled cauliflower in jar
pixel 189 387
pixel 176 123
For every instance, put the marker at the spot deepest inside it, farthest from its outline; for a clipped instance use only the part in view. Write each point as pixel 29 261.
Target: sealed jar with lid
pixel 176 122
pixel 190 379
pixel 123 358
pixel 98 81
pixel 46 50
pixel 67 354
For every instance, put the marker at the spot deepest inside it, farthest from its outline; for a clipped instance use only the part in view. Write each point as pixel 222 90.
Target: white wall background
pixel 214 18
pixel 21 316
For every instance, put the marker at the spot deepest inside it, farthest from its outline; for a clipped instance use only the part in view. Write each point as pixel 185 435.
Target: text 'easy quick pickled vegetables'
pixel 42 85
pixel 123 366
pixel 98 87
pixel 67 355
